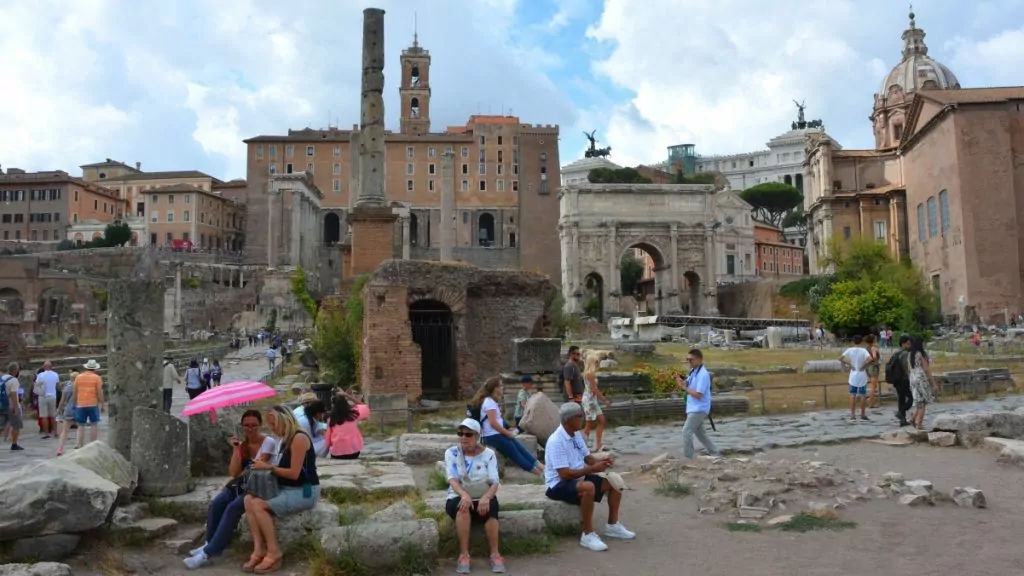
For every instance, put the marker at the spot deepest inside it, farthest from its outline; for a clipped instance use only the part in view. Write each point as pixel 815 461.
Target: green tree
pixel 772 200
pixel 616 176
pixel 631 271
pixel 116 233
pixel 301 293
pixel 338 337
pixel 271 326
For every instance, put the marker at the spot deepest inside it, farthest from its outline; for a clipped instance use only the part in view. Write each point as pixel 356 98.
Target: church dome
pixel 917 70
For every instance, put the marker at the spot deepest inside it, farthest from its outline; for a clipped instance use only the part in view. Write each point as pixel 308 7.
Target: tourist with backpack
pixel 11 411
pixel 485 408
pixel 896 374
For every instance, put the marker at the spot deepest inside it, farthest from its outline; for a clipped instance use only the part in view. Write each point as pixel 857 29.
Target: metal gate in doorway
pixel 433 328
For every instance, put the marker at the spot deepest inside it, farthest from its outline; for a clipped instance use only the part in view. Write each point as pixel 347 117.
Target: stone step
pixel 144 529
pixel 429 448
pixel 185 539
pixel 559 517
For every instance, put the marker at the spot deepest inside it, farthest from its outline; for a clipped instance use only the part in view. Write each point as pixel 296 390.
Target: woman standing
pixel 299 490
pixel 227 507
pixel 66 409
pixel 592 400
pixel 344 439
pixel 494 434
pixel 472 473
pixel 193 380
pixel 873 368
pixel 917 367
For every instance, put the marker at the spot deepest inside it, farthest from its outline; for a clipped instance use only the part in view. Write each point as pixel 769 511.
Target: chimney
pixel 138 166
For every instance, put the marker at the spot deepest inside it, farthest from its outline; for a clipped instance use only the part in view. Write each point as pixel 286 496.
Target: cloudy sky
pixel 179 84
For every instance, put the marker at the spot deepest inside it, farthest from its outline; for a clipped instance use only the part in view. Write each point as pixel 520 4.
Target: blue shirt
pixel 699 381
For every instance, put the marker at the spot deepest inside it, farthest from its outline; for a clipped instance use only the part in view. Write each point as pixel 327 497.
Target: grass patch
pixel 672 489
pixel 436 481
pixel 808 523
pixel 742 527
pixel 184 513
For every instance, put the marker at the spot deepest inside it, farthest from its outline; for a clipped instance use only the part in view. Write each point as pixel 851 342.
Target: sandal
pixel 253 562
pixel 268 566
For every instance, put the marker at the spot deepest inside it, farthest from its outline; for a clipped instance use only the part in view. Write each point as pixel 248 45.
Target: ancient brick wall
pixel 372 243
pixel 493 258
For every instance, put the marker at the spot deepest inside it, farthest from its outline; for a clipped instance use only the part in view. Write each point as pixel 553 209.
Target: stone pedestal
pixel 372 237
pixel 536 355
pixel 159 449
pixel 135 341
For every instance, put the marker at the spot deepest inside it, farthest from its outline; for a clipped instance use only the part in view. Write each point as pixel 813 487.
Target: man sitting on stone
pixel 571 475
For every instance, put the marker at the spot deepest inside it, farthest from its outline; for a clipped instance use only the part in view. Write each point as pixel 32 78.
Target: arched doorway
pixel 12 306
pixel 433 328
pixel 799 182
pixel 485 227
pixel 414 229
pixel 414 107
pixel 593 298
pixel 787 179
pixel 641 267
pixel 332 229
pixel 692 288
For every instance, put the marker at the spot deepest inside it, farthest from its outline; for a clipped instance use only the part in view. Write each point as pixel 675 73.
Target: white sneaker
pixel 199 550
pixel 618 531
pixel 593 542
pixel 197 561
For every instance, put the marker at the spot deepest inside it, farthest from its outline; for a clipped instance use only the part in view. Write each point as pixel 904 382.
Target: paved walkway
pixel 246 364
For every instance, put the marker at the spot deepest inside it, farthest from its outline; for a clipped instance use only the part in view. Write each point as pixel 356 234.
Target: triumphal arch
pixel 695 235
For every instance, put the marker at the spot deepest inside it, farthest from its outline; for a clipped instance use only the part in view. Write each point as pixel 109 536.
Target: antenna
pixel 415 30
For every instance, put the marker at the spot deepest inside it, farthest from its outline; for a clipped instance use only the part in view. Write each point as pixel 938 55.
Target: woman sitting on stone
pixel 344 439
pixel 472 473
pixel 228 506
pixel 494 434
pixel 299 490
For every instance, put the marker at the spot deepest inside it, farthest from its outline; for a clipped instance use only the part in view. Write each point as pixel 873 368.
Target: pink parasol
pixel 227 395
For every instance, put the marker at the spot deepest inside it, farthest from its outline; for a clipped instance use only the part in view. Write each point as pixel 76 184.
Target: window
pixel 465 217
pixel 481 169
pixel 410 169
pixel 500 156
pixel 336 185
pixel 289 151
pixel 170 215
pixel 273 151
pixel 499 141
pixel 921 235
pixel 465 168
pixel 170 198
pixel 483 155
pixel 483 140
pixel 846 232
pixel 515 185
pixel 410 151
pixel 465 185
pixel 430 185
pixel 933 215
pixel 944 210
pixel 501 185
pixel 337 151
pixel 76 195
pixel 95 204
pixel 500 171
pixel 273 168
pixel 288 169
pixel 881 230
pixel 188 198
pixel 483 185
pixel 431 152
pixel 74 218
pixel 447 149
pixel 259 152
pixel 515 169
pixel 465 152
pixel 837 184
pixel 310 151
pixel 897 131
pixel 154 216
pixel 186 216
pixel 515 140
pixel 309 168
pixel 430 168
pixel 408 185
pixel 170 237
pixel 730 264
pixel 337 168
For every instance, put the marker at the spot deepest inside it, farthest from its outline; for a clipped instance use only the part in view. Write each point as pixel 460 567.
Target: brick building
pixel 41 206
pixel 776 257
pixel 943 186
pixel 506 178
pixel 191 214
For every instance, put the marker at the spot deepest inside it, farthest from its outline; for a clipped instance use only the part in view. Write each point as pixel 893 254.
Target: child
pixel 523 397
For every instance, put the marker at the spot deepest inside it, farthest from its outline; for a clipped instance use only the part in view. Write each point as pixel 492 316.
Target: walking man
pixel 89 402
pixel 47 383
pixel 11 412
pixel 698 404
pixel 897 375
pixel 271 356
pixel 856 359
pixel 571 475
pixel 572 380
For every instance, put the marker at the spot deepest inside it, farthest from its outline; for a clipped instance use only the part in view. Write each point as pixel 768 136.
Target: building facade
pixel 777 257
pixel 182 214
pixel 942 187
pixel 42 206
pixel 506 176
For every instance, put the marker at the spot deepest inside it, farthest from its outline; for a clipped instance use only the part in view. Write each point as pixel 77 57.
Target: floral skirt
pixel 921 388
pixel 591 407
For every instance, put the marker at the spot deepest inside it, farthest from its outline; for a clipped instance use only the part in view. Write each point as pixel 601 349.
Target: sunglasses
pixel 466 434
pixel 250 425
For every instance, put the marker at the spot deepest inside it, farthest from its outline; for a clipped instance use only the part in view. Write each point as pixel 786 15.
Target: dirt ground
pixel 889 539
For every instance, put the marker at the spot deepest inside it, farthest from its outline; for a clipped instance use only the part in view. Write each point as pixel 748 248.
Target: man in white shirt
pixel 571 475
pixel 856 359
pixel 46 384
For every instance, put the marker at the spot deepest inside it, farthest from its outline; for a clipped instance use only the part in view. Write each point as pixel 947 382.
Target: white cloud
pixel 997 58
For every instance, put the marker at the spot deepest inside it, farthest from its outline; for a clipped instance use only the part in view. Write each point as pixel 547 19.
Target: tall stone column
pixel 710 296
pixel 674 235
pixel 135 344
pixel 272 234
pixel 353 173
pixel 406 240
pixel 177 294
pixel 447 206
pixel 296 229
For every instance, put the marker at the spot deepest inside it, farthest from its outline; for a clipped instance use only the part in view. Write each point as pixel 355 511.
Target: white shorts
pixel 48 407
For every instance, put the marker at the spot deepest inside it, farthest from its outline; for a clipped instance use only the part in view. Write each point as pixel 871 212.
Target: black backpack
pixel 473 412
pixel 894 371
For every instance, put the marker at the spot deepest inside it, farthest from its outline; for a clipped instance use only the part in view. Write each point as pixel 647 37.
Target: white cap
pixel 471 425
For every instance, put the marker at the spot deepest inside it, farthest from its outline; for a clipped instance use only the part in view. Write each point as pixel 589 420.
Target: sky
pixel 178 85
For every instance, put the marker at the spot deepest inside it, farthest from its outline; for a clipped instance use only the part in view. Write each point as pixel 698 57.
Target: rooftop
pixel 169 175
pixel 974 95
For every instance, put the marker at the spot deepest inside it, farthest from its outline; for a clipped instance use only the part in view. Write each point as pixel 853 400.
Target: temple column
pixel 674 235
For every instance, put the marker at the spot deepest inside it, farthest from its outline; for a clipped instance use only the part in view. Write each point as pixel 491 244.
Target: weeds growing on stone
pixel 436 481
pixel 180 512
pixel 672 488
pixel 742 527
pixel 808 523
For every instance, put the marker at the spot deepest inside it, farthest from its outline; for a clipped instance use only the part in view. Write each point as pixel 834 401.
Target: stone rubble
pixel 39 569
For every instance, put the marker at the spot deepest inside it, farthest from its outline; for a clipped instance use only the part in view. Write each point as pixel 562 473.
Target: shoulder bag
pixel 476 490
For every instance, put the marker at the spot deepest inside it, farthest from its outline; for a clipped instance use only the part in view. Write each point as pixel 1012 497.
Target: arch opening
pixel 485 229
pixel 433 329
pixel 414 107
pixel 12 305
pixel 692 288
pixel 593 301
pixel 787 179
pixel 332 229
pixel 640 269
pixel 414 230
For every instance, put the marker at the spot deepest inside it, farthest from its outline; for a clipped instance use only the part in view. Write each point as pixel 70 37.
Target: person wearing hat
pixel 472 472
pixel 89 402
pixel 571 475
pixel 171 379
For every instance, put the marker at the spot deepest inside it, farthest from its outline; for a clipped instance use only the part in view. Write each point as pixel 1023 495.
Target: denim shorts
pixel 87 415
pixel 290 501
pixel 858 390
pixel 565 491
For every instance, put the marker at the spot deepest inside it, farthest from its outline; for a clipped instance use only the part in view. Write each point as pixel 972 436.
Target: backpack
pixel 894 370
pixel 5 398
pixel 474 413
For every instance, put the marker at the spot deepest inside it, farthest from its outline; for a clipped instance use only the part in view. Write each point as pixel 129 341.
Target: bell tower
pixel 415 89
